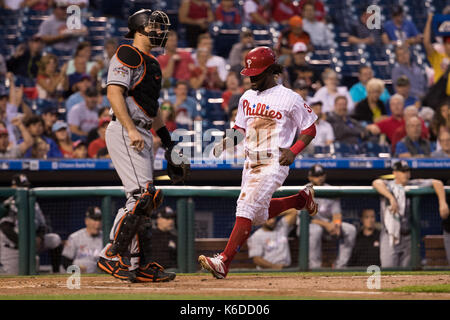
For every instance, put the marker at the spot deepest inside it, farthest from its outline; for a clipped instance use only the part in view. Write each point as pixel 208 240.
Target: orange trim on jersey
pixel 145 112
pixel 133 67
pixel 150 55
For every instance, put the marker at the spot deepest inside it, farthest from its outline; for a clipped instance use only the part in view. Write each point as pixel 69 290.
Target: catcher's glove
pixel 178 166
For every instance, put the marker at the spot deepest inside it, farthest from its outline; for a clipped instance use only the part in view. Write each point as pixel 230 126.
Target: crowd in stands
pixel 52 82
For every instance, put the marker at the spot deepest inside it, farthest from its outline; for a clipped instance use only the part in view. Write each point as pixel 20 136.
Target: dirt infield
pixel 236 286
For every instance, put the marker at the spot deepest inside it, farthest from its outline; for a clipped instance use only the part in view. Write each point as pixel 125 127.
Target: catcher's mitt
pixel 178 166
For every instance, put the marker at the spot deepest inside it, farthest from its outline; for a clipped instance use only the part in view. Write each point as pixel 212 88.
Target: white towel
pixel 392 219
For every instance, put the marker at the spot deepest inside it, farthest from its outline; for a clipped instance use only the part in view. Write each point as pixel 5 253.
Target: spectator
pixel 371 109
pixel 78 87
pixel 329 219
pixel 206 42
pixel 62 138
pixel 80 72
pixel 300 69
pixel 49 115
pixel 367 245
pixel 413 145
pixel 255 13
pixel 84 50
pixel 3 69
pixel 346 129
pixel 441 120
pixel 238 67
pixel 35 125
pixel 400 132
pixel 439 61
pixel 325 133
pixel 234 99
pixel 269 245
pixel 197 16
pixel 302 88
pixel 83 116
pixel 400 29
pixel 14 4
pixel 168 115
pixel 50 83
pixel 100 142
pixel 246 42
pixel 54 31
pixel 358 91
pixel 111 45
pixel 444 142
pixel 14 151
pixel 328 93
pixel 184 105
pixel 283 10
pixel 232 88
pixel 228 14
pixel 175 63
pixel 204 76
pixel 291 35
pixel 402 87
pixel 24 61
pixel 103 154
pixel 319 8
pixel 317 30
pixel 39 5
pixel 9 226
pixel 360 34
pixel 83 247
pixel 79 150
pixel 414 73
pixel 103 112
pixel 164 238
pixel 395 212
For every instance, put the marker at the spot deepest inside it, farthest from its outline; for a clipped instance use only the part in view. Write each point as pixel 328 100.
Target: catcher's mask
pixel 157 20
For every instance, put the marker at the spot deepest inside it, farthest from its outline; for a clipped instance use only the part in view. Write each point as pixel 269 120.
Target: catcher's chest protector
pixel 146 91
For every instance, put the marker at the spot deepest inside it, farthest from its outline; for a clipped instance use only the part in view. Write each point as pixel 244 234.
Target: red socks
pixel 239 235
pixel 279 205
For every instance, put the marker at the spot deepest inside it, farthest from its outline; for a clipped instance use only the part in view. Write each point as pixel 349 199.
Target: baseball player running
pixel 269 116
pixel 133 88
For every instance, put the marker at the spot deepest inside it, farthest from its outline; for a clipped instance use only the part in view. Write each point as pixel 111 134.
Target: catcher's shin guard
pixel 144 234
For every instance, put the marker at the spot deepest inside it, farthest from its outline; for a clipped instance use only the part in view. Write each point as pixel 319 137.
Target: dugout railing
pixel 185 208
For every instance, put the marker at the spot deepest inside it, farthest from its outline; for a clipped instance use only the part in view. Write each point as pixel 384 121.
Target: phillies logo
pixel 261 110
pixel 249 62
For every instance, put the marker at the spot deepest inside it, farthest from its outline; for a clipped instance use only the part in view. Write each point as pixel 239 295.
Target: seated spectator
pixel 404 67
pixel 328 223
pixel 328 93
pixel 184 105
pixel 319 8
pixel 232 88
pixel 283 10
pixel 358 91
pixel 11 151
pixel 360 34
pixel 103 112
pixel 413 145
pixel 325 134
pixel 371 109
pixel 204 76
pixel 62 137
pixel 269 245
pixel 24 61
pixel 164 238
pixel 80 150
pixel 255 13
pixel 439 61
pixel 317 30
pixel 103 154
pixel 346 129
pixel 238 67
pixel 84 50
pixel 246 42
pixel 441 120
pixel 83 247
pixel 41 143
pixel 100 142
pixel 402 87
pixel 400 132
pixel 291 35
pixel 444 142
pixel 49 115
pixel 168 115
pixel 38 5
pixel 83 116
pixel 366 251
pixel 234 99
pixel 196 15
pixel 79 85
pixel 301 87
pixel 50 83
pixel 400 29
pixel 227 13
pixel 54 31
pixel 175 63
pixel 300 69
pixel 111 45
pixel 80 72
pixel 206 42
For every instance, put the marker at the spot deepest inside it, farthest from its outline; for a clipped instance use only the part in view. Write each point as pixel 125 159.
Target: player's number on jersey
pixel 307 107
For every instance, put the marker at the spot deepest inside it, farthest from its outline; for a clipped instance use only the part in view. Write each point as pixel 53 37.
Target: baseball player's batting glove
pixel 178 166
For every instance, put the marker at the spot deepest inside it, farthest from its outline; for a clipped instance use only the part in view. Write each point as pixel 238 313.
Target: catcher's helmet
pixel 144 17
pixel 258 60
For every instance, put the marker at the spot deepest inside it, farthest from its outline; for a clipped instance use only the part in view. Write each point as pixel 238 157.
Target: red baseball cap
pixel 3 131
pixel 258 60
pixel 103 120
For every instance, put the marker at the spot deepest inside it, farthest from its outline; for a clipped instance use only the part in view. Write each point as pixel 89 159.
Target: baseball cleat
pixel 308 194
pixel 214 265
pixel 116 269
pixel 153 272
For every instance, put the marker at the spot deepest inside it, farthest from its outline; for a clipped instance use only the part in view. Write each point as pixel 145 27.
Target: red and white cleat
pixel 214 265
pixel 308 194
